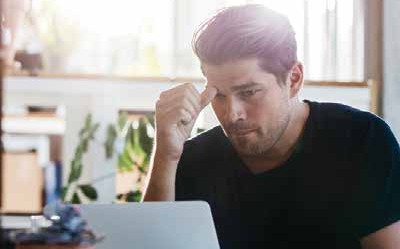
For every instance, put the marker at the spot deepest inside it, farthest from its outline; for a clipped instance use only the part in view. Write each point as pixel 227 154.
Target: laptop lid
pixel 152 225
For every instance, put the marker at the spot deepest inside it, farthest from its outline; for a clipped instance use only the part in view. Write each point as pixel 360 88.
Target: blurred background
pixel 81 77
pixel 152 38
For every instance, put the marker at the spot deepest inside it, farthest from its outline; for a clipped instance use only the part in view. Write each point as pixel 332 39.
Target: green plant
pixel 70 192
pixel 134 154
pixel 132 140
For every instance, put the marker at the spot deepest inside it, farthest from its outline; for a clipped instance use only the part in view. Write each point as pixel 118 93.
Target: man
pixel 278 172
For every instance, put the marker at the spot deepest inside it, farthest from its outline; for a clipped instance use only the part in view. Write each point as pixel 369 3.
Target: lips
pixel 242 132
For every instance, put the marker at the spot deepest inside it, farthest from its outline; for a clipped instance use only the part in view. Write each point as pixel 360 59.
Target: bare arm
pixel 385 238
pixel 176 112
pixel 161 185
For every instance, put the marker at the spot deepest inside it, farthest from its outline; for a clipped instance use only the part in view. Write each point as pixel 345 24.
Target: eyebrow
pixel 244 86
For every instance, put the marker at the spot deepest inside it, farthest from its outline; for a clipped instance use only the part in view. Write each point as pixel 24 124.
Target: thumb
pixel 207 95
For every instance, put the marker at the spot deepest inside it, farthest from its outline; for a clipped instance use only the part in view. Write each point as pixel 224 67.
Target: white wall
pixel 103 98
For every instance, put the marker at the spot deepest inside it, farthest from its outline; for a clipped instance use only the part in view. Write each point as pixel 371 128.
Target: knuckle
pixel 187 91
pixel 163 94
pixel 198 108
pixel 185 102
pixel 193 88
pixel 181 86
pixel 158 104
pixel 187 88
pixel 181 111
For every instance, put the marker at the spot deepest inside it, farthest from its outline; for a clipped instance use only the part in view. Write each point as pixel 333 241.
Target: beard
pixel 260 140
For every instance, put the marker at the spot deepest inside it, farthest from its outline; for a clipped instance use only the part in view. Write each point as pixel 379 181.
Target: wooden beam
pixel 373 48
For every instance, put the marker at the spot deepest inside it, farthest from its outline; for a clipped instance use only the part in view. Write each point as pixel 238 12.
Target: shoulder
pixel 346 129
pixel 343 119
pixel 325 112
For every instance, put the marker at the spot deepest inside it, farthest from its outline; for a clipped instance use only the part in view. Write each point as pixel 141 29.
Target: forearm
pixel 161 183
pixel 176 112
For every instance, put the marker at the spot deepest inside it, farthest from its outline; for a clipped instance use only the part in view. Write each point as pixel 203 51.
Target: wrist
pixel 165 160
pixel 167 152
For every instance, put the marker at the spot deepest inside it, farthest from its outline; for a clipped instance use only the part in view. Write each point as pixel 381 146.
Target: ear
pixel 296 79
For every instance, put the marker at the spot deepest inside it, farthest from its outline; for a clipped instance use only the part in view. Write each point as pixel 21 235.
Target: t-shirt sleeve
pixel 379 203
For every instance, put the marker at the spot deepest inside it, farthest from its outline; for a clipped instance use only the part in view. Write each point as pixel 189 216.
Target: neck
pixel 284 147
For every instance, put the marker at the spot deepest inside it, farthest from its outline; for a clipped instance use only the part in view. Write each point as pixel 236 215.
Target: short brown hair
pixel 248 31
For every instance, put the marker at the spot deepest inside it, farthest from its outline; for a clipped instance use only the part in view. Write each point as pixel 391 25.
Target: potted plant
pixel 131 140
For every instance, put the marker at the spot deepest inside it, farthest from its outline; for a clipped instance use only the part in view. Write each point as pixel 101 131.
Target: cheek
pixel 265 111
pixel 258 115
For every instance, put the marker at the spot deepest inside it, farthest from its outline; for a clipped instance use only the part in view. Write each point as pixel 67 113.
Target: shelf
pixel 43 123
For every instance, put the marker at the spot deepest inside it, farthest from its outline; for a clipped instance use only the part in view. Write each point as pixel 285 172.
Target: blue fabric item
pixel 53 182
pixel 67 228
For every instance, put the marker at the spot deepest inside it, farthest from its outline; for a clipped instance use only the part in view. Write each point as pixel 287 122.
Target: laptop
pixel 152 225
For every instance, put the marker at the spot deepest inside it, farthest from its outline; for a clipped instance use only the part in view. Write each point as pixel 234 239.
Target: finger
pixel 190 91
pixel 174 91
pixel 186 93
pixel 207 95
pixel 174 107
pixel 184 117
pixel 195 98
pixel 191 95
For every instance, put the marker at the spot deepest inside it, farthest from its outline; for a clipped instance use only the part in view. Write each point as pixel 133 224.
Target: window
pixel 119 37
pixel 153 38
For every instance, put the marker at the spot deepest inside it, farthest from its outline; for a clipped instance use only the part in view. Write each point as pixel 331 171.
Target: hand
pixel 176 112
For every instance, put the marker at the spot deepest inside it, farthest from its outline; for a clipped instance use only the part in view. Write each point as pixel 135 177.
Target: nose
pixel 234 110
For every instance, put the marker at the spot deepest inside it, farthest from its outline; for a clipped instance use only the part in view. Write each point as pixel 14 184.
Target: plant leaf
pixel 75 173
pixel 85 135
pixel 110 141
pixel 89 191
pixel 150 120
pixel 145 164
pixel 88 121
pixel 122 119
pixel 76 199
pixel 82 147
pixel 134 148
pixel 145 141
pixel 125 162
pixel 130 136
pixel 200 130
pixel 64 191
pixel 93 130
pixel 134 196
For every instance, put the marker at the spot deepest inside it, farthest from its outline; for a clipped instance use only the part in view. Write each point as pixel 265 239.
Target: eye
pixel 248 93
pixel 219 95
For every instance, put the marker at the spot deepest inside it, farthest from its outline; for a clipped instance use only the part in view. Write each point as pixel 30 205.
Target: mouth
pixel 242 132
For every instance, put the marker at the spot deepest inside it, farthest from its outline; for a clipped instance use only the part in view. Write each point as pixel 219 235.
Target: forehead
pixel 236 73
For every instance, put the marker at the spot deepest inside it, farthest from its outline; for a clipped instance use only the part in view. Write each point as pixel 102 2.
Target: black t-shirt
pixel 341 183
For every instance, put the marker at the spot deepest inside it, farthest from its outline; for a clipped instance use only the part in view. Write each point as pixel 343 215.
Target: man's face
pixel 252 107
